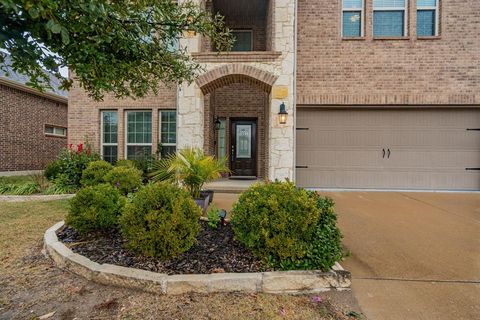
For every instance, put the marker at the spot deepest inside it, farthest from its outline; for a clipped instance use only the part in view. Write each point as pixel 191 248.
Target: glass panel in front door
pixel 244 141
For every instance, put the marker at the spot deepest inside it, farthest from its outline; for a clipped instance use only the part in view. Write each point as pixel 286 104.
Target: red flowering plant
pixel 68 168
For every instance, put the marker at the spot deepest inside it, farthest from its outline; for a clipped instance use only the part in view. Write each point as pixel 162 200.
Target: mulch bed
pixel 215 251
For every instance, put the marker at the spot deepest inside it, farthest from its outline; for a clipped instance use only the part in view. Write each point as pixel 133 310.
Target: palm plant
pixel 190 168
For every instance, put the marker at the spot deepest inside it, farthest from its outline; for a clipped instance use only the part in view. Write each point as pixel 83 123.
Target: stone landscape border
pixel 35 197
pixel 290 282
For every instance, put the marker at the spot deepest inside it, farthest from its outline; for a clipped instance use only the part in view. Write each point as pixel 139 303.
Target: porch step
pixel 243 178
pixel 230 186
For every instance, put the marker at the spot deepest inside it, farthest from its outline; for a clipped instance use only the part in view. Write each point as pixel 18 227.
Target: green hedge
pixel 290 228
pixel 125 179
pixel 95 208
pixel 95 173
pixel 161 220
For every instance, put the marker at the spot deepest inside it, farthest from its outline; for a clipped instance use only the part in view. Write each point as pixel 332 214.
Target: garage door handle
pixel 388 156
pixel 383 150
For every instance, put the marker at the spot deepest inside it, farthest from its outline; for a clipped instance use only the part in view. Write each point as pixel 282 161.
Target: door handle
pixel 383 151
pixel 388 156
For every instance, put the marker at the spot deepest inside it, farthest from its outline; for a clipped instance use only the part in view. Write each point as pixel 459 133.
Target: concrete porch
pixel 227 185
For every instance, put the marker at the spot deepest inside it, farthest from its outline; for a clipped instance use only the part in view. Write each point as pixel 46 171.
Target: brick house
pixel 33 125
pixel 379 94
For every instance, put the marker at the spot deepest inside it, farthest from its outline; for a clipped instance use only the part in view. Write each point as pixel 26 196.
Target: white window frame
pixel 160 128
pixel 126 132
pixel 362 19
pixel 55 128
pixel 405 17
pixel 108 144
pixel 437 15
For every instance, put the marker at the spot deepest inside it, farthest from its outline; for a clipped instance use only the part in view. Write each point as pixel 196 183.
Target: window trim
pixel 437 18
pixel 362 22
pixel 251 37
pixel 405 19
pixel 108 144
pixel 160 128
pixel 126 131
pixel 53 126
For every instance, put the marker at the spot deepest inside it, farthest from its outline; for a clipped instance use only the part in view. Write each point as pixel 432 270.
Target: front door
pixel 243 153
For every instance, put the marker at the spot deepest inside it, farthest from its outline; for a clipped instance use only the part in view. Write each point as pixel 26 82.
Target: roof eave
pixel 23 87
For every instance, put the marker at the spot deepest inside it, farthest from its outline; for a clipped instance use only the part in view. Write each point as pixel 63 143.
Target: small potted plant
pixel 191 168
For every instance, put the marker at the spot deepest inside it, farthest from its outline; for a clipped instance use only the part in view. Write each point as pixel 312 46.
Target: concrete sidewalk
pixel 413 255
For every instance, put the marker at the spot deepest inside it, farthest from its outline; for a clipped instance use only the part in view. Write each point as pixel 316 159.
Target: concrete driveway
pixel 413 255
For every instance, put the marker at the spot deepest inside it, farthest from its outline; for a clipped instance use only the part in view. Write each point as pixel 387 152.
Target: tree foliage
pixel 124 47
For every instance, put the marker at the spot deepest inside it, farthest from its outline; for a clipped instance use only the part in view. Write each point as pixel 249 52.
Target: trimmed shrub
pixel 326 247
pixel 125 163
pixel 161 220
pixel 95 208
pixel 124 179
pixel 95 173
pixel 290 228
pixel 70 163
pixel 52 170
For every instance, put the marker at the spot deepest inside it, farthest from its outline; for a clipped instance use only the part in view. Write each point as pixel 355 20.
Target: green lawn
pixel 15 180
pixel 33 286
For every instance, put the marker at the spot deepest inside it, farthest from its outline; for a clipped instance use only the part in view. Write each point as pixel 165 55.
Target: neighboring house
pixel 33 125
pixel 379 94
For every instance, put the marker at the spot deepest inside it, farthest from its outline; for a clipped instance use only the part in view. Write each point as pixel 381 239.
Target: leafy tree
pixel 123 47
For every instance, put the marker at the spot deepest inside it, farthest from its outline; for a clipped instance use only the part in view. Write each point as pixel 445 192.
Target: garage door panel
pixel 332 138
pixel 429 148
pixel 395 179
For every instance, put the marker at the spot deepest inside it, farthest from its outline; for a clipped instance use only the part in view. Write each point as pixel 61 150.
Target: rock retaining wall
pixel 292 282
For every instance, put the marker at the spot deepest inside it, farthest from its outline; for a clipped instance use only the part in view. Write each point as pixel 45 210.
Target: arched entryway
pixel 236 117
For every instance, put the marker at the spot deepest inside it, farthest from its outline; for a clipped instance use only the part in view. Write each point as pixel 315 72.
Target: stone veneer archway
pixel 233 73
pixel 238 96
pixel 275 72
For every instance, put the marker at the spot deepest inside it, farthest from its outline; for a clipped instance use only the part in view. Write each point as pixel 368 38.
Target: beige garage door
pixel 394 149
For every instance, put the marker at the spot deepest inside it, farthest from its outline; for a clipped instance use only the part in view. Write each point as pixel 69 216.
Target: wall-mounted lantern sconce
pixel 283 114
pixel 217 124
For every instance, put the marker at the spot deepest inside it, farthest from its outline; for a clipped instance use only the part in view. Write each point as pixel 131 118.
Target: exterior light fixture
pixel 217 124
pixel 222 214
pixel 283 114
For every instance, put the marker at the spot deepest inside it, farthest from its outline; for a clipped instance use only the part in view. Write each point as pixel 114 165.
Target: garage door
pixel 394 149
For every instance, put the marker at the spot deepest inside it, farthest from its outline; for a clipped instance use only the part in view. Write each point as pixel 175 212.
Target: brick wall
pixel 23 143
pixel 443 70
pixel 238 100
pixel 84 115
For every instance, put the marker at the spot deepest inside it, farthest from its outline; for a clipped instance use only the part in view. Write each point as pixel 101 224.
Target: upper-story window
pixel 352 18
pixel 427 17
pixel 389 18
pixel 243 40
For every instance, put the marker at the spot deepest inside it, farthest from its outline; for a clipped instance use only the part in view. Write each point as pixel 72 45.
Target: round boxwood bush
pixel 125 179
pixel 95 208
pixel 95 173
pixel 281 224
pixel 161 221
pixel 125 163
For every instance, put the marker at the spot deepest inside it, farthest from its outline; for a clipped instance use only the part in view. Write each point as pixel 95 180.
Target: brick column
pixel 121 134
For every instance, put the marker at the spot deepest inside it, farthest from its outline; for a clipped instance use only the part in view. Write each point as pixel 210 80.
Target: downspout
pixel 295 90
